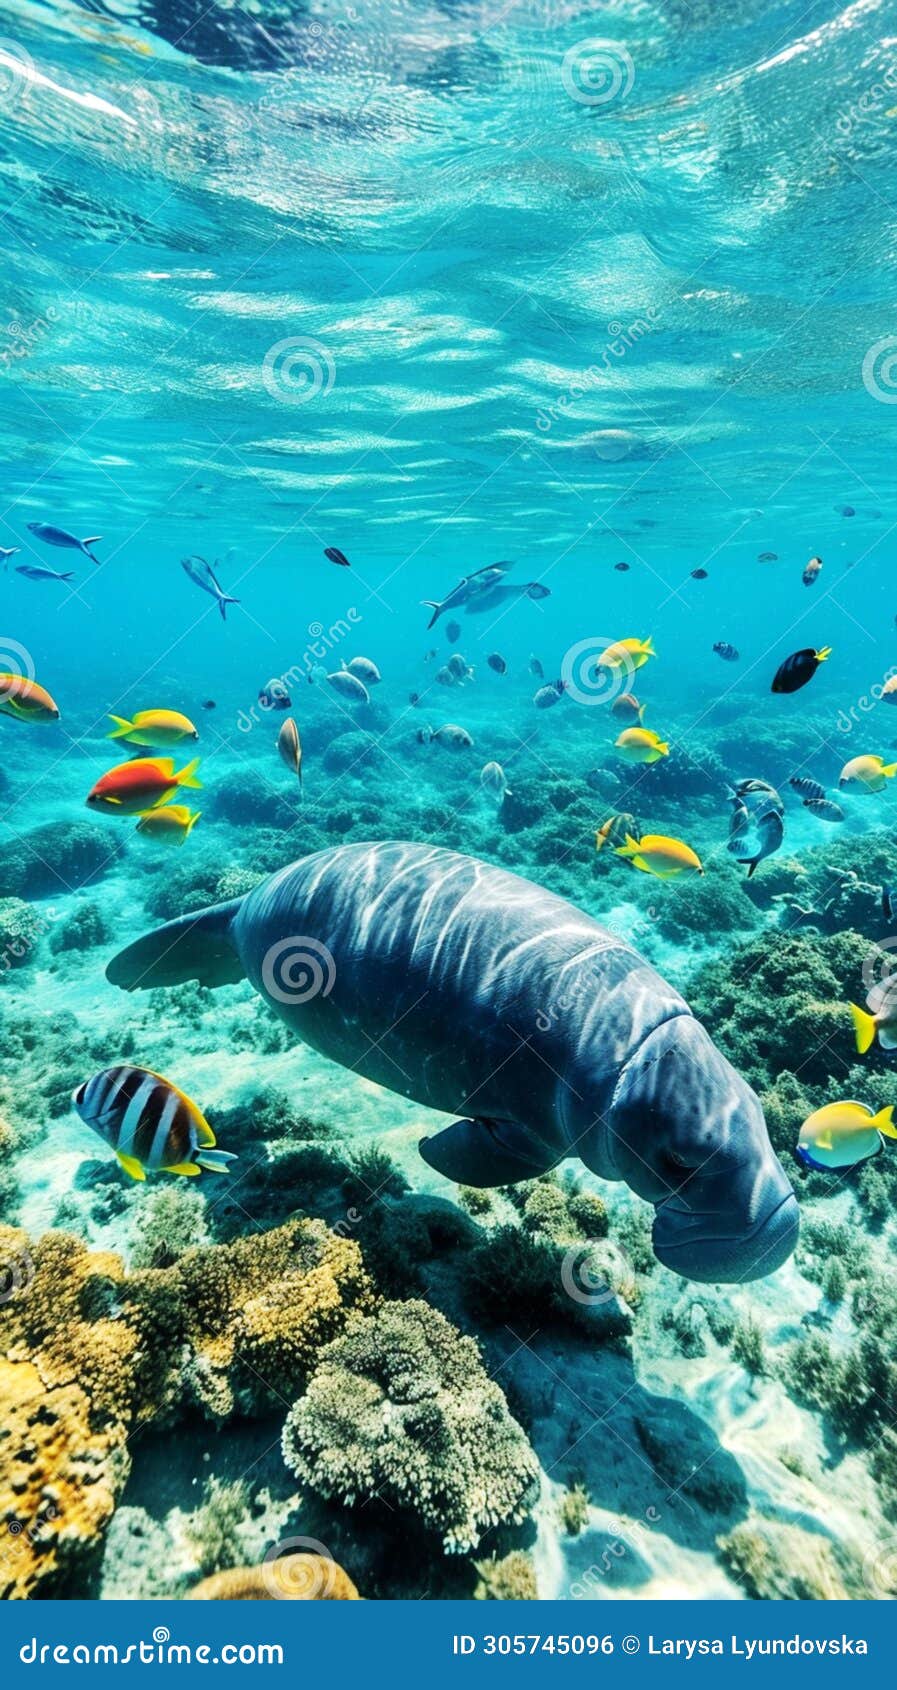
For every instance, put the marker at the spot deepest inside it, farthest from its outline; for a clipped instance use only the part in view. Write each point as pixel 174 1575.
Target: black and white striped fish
pixel 149 1123
pixel 808 789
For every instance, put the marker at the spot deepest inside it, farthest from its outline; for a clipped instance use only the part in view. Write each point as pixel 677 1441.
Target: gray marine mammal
pixel 476 992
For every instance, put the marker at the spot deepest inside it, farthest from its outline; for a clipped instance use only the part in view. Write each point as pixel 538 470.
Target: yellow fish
pixel 626 654
pixel 866 774
pixel 641 745
pixel 656 853
pixel 154 728
pixel 842 1134
pixel 171 824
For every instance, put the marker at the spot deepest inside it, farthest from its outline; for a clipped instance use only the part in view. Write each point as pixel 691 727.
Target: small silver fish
pixel 202 575
pixel 35 572
pixel 549 695
pixel 59 537
pixel 825 808
pixel 494 782
pixel 349 687
pixel 453 737
pixel 366 671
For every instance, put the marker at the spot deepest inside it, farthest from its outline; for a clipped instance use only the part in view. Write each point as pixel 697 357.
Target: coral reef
pixel 85 927
pixel 400 1408
pixel 776 1561
pixel 510 1579
pixel 59 857
pixel 299 1578
pixel 20 929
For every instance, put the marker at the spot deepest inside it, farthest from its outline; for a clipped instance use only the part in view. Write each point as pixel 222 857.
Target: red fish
pixel 142 784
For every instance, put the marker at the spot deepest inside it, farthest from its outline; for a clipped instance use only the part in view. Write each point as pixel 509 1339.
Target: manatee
pixel 475 992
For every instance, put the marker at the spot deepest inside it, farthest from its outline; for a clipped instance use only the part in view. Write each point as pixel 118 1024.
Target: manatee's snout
pixel 688 1133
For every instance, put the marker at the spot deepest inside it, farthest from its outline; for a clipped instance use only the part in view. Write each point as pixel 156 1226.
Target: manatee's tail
pixel 195 947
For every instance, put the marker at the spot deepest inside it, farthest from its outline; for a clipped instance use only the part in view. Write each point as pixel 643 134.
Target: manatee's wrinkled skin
pixel 478 993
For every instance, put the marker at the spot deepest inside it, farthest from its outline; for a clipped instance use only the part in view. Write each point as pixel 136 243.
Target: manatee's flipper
pixel 482 1153
pixel 195 947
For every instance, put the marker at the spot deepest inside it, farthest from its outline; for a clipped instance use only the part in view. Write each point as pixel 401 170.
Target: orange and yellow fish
pixel 146 783
pixel 25 700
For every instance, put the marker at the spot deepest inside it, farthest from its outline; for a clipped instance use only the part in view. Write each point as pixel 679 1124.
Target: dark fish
pixel 888 904
pixel 806 787
pixel 535 667
pixel 727 652
pixel 699 574
pixel 209 704
pixel 845 510
pixel 336 556
pixel 811 571
pixel 429 656
pixel 623 567
pixel 767 557
pixel 452 632
pixel 203 575
pixel 497 662
pixel 34 572
pixel 414 698
pixel 549 695
pixel 799 668
pixel 149 1123
pixel 825 808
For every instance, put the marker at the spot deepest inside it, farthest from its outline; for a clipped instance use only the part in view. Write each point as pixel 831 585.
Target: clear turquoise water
pixel 440 285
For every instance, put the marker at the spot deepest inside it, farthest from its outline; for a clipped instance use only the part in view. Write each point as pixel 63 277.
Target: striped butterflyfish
pixel 149 1123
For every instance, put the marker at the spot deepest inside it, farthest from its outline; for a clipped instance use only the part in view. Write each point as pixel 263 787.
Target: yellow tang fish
pixel 842 1134
pixel 641 745
pixel 866 774
pixel 656 853
pixel 171 824
pixel 626 654
pixel 154 728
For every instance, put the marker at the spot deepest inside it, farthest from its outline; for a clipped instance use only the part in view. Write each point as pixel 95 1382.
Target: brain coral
pixel 400 1408
pixel 298 1578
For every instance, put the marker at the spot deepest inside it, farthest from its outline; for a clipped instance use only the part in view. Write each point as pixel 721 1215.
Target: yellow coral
pixel 89 1352
pixel 299 1578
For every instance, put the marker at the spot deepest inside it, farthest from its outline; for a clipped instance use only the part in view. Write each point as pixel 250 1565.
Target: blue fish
pixel 60 537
